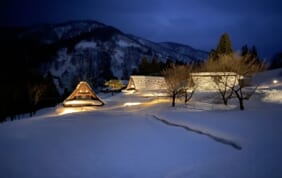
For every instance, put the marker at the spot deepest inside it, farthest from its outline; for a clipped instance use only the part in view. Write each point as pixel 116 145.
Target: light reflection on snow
pixel 131 104
pixel 82 102
pixel 68 110
pixel 147 103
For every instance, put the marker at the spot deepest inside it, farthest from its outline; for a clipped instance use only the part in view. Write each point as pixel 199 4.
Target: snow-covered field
pixel 134 137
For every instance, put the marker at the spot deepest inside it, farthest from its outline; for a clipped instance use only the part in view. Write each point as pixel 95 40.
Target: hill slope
pixel 93 51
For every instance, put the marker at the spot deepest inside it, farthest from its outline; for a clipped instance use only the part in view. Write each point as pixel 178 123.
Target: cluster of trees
pixel 23 88
pixel 154 66
pixel 276 61
pixel 223 60
pixel 26 94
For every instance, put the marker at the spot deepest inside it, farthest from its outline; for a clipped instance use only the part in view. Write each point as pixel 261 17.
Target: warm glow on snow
pixel 68 110
pixel 131 104
pixel 157 101
pixel 82 102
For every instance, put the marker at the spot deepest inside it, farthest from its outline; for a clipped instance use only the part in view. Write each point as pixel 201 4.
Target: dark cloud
pixel 198 23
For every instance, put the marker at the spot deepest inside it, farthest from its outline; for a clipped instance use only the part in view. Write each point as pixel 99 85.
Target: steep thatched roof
pixel 83 95
pixel 140 82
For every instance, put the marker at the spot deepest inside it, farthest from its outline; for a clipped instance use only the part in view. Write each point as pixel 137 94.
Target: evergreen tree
pixel 244 50
pixel 224 46
pixel 250 54
pixel 50 95
pixel 254 52
pixel 213 55
pixel 143 67
pixel 276 61
pixel 134 71
pixel 168 63
pixel 155 66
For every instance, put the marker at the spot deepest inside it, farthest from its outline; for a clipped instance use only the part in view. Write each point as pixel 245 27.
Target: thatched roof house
pixel 206 81
pixel 203 81
pixel 146 84
pixel 83 95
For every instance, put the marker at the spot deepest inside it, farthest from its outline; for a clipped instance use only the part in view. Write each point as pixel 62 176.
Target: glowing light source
pixel 275 81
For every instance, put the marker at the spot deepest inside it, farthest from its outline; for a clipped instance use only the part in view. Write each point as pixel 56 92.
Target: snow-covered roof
pixel 141 82
pixel 204 81
pixel 213 73
pixel 83 95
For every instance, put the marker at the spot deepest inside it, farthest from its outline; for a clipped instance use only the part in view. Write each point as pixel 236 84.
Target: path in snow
pixel 214 137
pixel 104 144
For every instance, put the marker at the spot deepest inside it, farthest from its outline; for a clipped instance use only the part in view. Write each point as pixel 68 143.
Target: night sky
pixel 198 23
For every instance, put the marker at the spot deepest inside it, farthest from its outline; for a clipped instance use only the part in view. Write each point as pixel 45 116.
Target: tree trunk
pixel 240 97
pixel 241 104
pixel 173 100
pixel 225 101
pixel 224 98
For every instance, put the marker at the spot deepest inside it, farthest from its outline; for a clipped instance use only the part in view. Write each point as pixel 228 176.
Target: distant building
pixel 146 85
pixel 206 81
pixel 202 81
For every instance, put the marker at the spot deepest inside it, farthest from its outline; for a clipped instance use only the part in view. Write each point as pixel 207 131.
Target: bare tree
pixel 221 72
pixel 246 68
pixel 176 77
pixel 236 72
pixel 190 87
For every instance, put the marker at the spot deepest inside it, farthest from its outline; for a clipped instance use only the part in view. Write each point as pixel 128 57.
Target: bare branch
pixel 243 68
pixel 177 79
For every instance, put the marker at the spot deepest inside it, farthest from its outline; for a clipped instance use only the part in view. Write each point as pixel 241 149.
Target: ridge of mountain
pixel 93 51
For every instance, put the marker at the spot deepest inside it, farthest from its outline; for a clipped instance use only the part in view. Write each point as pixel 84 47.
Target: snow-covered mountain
pixel 90 50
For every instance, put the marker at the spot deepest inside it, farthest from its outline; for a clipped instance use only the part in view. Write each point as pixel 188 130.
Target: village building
pixel 210 81
pixel 146 85
pixel 83 95
pixel 202 81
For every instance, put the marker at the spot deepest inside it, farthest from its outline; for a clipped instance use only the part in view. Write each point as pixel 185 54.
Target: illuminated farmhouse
pixel 146 85
pixel 210 81
pixel 83 95
pixel 204 81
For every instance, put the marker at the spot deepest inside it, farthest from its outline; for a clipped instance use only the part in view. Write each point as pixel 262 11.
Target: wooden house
pixel 146 85
pixel 83 95
pixel 206 81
